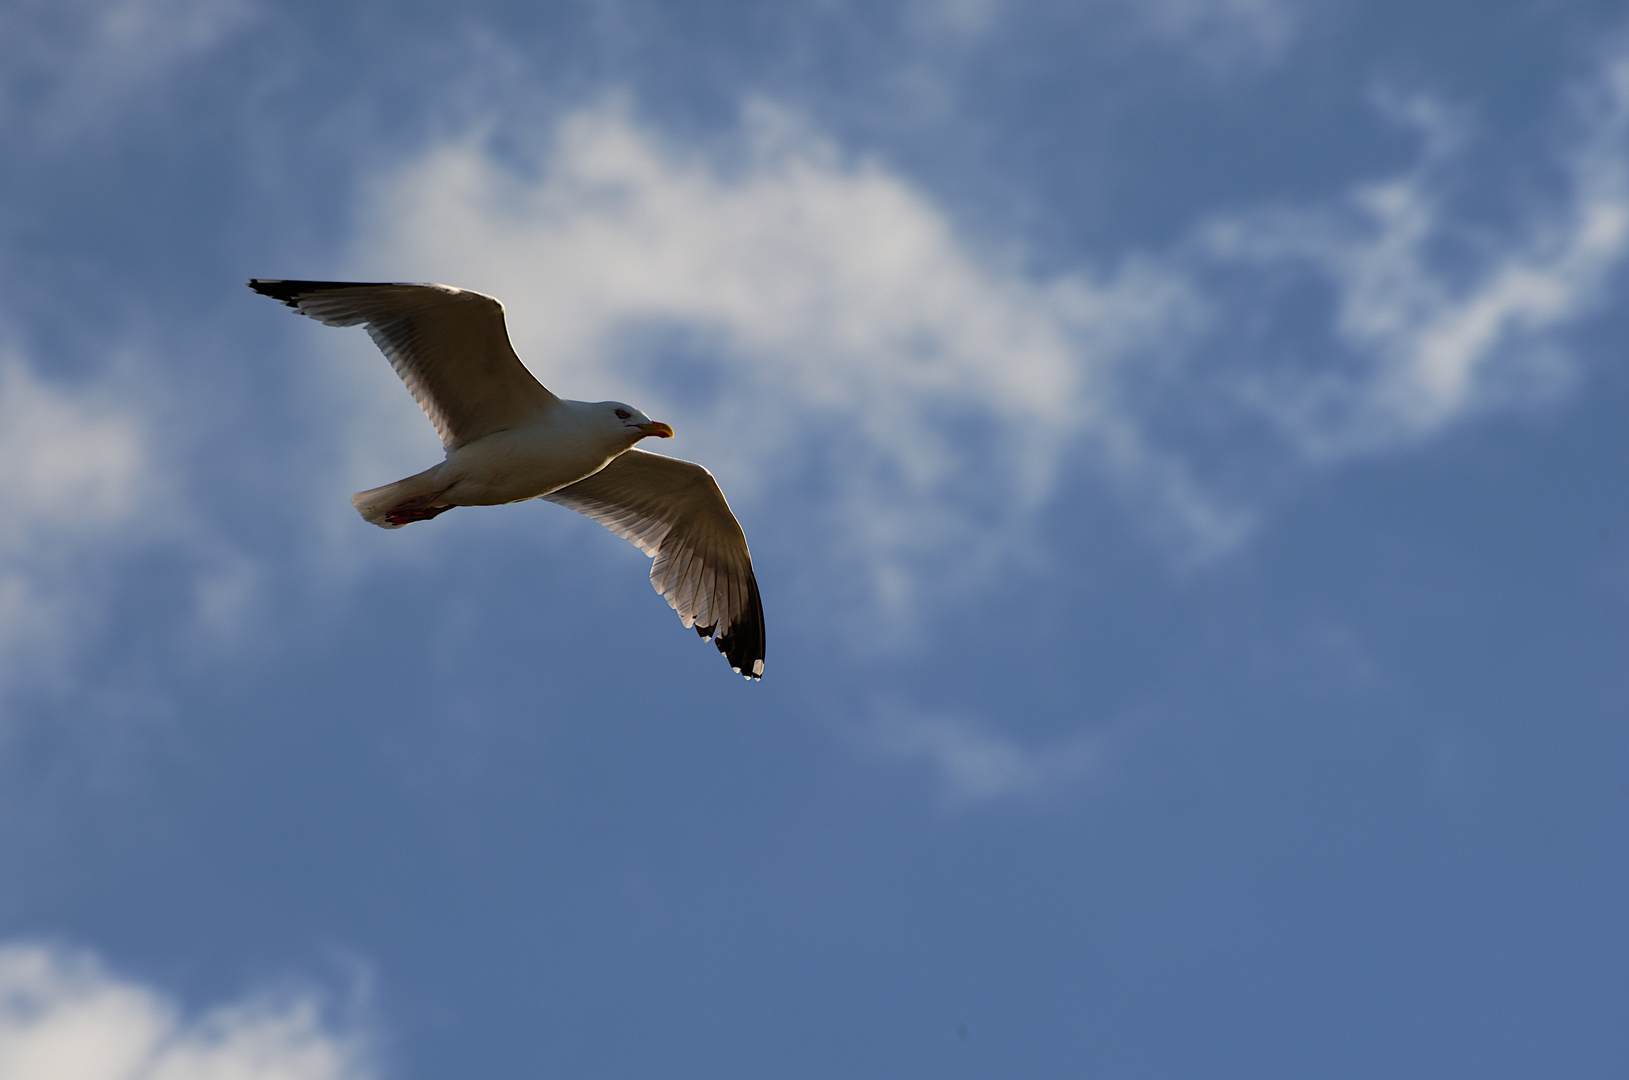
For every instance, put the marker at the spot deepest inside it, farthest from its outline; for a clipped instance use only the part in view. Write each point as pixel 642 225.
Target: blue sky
pixel 1182 448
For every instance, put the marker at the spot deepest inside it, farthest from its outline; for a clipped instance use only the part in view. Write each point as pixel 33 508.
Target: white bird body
pixel 508 439
pixel 561 444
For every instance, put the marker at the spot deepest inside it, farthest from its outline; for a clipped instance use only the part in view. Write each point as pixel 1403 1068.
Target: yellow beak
pixel 658 429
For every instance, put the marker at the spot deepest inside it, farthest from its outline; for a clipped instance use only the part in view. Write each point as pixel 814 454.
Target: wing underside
pixel 674 512
pixel 450 346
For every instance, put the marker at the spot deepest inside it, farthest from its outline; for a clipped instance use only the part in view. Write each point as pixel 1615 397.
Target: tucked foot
pixel 415 509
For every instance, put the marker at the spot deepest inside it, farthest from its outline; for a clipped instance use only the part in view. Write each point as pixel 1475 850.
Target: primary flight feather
pixel 509 439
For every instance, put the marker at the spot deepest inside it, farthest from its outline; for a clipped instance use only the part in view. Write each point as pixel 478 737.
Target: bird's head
pixel 635 424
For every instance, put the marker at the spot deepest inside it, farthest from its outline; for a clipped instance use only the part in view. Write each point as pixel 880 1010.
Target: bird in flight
pixel 509 439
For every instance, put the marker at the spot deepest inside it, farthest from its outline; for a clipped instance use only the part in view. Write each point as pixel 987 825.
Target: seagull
pixel 508 439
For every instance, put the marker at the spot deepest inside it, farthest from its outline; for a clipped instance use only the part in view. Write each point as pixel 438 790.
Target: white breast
pixel 527 461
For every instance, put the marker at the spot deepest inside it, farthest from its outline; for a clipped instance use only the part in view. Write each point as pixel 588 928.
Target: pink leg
pixel 419 508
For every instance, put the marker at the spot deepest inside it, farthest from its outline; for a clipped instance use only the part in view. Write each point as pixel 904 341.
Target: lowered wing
pixel 674 512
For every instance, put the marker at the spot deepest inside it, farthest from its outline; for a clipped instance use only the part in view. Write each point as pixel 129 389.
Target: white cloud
pixel 70 67
pixel 1427 336
pixel 815 316
pixel 813 319
pixel 77 470
pixel 92 487
pixel 973 763
pixel 64 1016
pixel 73 461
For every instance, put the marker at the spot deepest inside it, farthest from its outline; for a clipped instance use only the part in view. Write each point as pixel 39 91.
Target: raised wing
pixel 450 347
pixel 674 512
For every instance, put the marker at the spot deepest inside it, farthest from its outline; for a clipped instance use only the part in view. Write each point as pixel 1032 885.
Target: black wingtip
pixel 286 291
pixel 742 643
pixel 290 292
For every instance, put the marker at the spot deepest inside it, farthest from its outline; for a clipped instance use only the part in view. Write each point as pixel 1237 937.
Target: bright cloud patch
pixel 74 462
pixel 974 763
pixel 77 470
pixel 64 1016
pixel 797 316
pixel 95 506
pixel 67 68
pixel 811 321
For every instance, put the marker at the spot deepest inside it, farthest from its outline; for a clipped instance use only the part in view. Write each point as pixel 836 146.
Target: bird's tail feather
pixel 395 505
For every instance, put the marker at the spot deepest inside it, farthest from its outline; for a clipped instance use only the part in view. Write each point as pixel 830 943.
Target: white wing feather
pixel 450 346
pixel 674 512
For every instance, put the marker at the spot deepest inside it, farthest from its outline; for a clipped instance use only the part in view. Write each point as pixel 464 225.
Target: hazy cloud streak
pixel 78 468
pixel 973 762
pixel 70 67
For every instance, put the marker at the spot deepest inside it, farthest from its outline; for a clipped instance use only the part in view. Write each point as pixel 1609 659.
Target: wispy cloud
pixel 91 489
pixel 68 68
pixel 826 337
pixel 973 762
pixel 63 1015
pixel 812 317
pixel 958 17
pixel 1220 33
pixel 76 461
pixel 78 469
pixel 797 313
pixel 1434 320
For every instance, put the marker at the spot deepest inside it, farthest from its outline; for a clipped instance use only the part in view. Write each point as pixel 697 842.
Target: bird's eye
pixel 623 414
